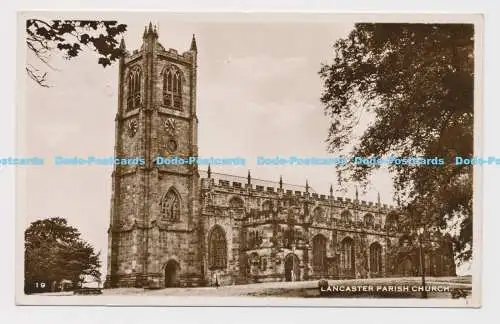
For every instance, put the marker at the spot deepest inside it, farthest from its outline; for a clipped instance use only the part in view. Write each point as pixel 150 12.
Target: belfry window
pixel 134 89
pixel 172 88
pixel 217 249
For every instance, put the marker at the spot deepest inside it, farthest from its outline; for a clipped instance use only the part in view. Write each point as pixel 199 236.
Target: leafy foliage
pixel 416 82
pixel 69 37
pixel 54 251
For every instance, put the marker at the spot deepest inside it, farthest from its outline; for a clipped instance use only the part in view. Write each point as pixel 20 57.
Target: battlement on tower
pixel 170 54
pixel 151 36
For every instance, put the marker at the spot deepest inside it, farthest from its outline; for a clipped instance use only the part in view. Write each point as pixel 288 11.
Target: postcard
pixel 257 159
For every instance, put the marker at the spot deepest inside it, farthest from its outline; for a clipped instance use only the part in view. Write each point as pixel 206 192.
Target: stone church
pixel 174 225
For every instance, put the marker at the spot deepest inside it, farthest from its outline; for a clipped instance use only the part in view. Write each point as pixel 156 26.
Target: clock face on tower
pixel 170 126
pixel 132 127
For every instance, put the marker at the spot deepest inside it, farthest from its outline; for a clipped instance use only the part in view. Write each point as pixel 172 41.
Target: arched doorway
pixel 292 270
pixel 171 274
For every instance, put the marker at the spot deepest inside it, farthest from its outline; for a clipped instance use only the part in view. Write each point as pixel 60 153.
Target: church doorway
pixel 292 270
pixel 171 274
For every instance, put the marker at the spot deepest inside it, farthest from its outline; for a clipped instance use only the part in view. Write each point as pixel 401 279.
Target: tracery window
pixel 134 89
pixel 170 206
pixel 319 215
pixel 236 202
pixel 375 258
pixel 347 255
pixel 266 206
pixel 345 216
pixel 319 253
pixel 217 249
pixel 172 88
pixel 369 220
pixel 391 221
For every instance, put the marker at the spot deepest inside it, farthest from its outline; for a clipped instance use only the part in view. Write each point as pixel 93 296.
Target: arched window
pixel 369 220
pixel 170 206
pixel 172 88
pixel 345 216
pixel 236 202
pixel 266 206
pixel 319 253
pixel 391 221
pixel 167 88
pixel 319 215
pixel 134 89
pixel 348 257
pixel 217 248
pixel 179 83
pixel 174 83
pixel 375 258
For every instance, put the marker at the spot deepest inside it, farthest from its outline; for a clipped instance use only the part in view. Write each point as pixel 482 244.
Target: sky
pixel 258 95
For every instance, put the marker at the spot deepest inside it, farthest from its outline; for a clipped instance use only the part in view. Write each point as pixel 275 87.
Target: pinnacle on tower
pixel 378 198
pixel 281 182
pixel 193 45
pixel 331 190
pixel 248 177
pixel 209 171
pixel 357 193
pixel 122 44
pixel 307 186
pixel 150 31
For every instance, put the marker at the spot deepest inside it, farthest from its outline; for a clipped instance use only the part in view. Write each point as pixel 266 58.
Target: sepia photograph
pixel 250 159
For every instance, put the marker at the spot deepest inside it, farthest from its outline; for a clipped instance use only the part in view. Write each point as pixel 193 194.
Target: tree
pixel 54 251
pixel 414 84
pixel 69 37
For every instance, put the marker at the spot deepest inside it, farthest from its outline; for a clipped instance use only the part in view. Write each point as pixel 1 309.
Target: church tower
pixel 153 234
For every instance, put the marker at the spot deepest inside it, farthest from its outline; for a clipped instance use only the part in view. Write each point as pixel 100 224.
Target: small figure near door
pixel 216 281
